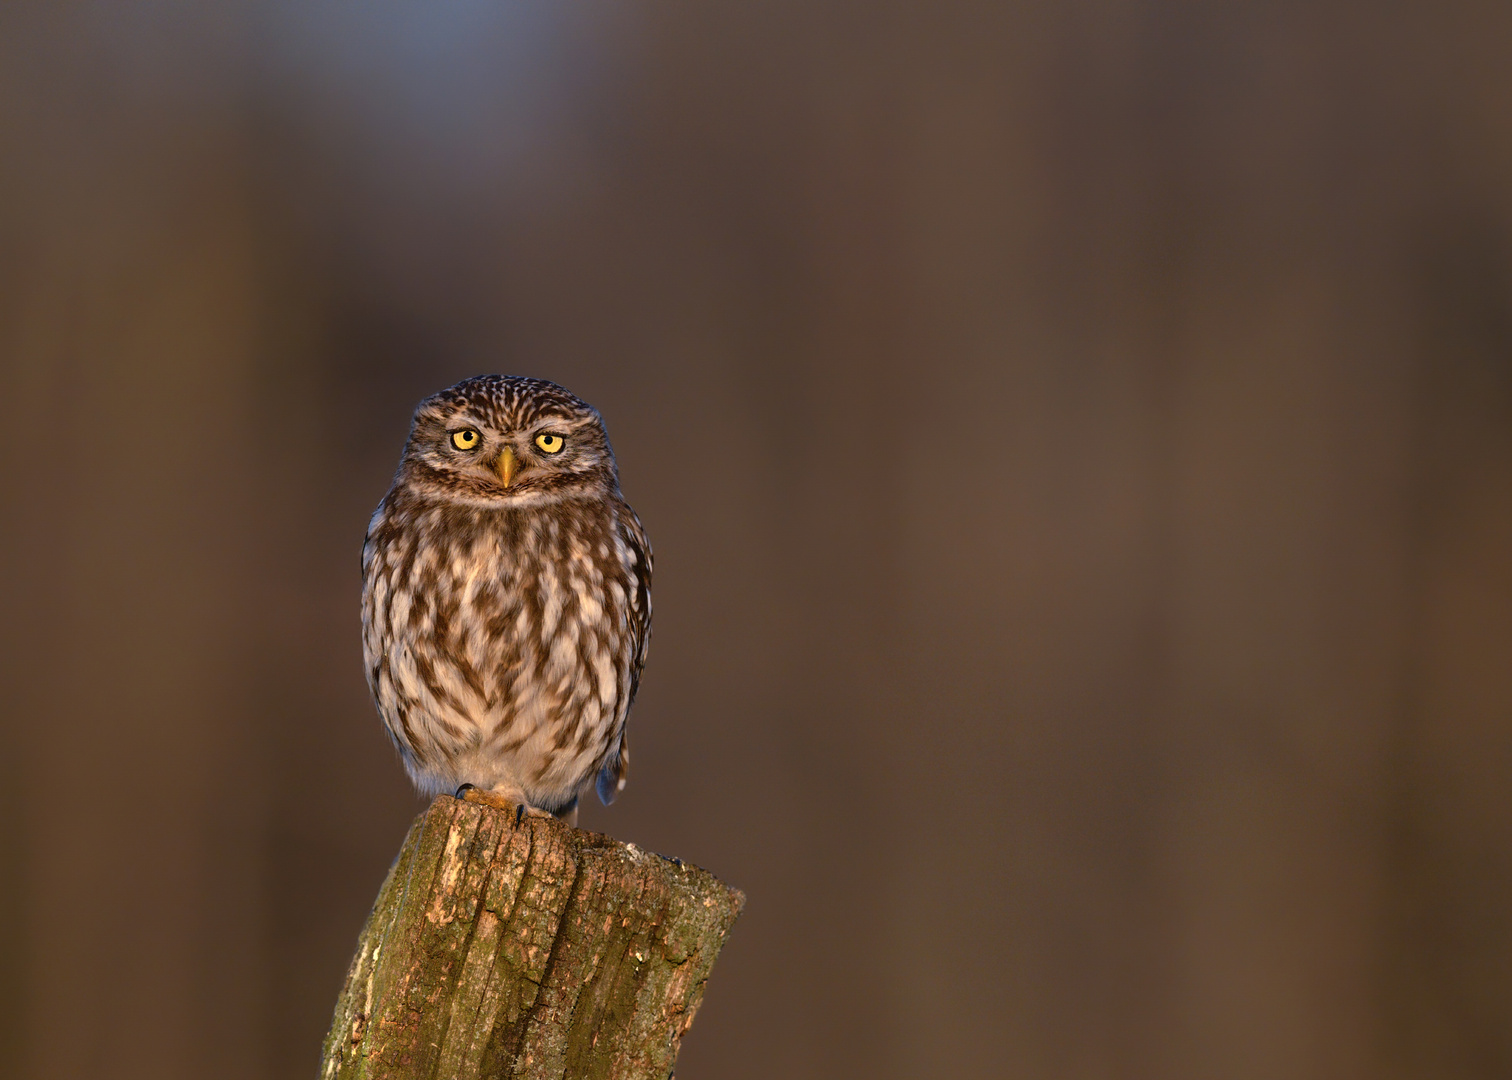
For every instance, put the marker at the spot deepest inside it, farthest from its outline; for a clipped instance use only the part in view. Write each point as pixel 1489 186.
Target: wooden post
pixel 526 949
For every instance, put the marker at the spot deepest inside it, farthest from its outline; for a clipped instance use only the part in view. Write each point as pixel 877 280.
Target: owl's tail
pixel 611 778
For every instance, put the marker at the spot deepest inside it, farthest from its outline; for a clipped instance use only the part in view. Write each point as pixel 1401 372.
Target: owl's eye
pixel 466 439
pixel 549 444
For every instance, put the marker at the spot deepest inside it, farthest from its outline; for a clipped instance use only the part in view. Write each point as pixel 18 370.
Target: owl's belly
pixel 494 672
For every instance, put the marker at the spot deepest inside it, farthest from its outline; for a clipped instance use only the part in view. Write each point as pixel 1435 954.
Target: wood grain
pixel 526 949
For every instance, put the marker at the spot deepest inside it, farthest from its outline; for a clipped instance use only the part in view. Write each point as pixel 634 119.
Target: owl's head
pixel 506 440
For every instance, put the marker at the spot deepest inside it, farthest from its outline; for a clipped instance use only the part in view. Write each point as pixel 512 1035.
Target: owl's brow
pixel 565 423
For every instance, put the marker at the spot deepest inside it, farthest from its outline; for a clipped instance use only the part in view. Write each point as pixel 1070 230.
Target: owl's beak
pixel 508 465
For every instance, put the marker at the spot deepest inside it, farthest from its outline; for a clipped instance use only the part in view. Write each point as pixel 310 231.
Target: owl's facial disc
pixel 500 441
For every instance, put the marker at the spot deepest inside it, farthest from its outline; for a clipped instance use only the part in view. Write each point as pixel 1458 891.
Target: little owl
pixel 506 598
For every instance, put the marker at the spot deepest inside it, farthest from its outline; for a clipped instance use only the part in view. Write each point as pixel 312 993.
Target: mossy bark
pixel 526 949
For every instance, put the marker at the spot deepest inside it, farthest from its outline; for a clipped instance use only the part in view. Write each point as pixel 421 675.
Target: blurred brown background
pixel 1076 439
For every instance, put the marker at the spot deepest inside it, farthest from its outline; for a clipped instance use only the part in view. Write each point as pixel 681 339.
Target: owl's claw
pixel 498 800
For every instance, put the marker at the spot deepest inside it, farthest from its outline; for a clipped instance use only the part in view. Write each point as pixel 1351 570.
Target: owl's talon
pixel 498 800
pixel 469 793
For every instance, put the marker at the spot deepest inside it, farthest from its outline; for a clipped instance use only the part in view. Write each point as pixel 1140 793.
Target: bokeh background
pixel 1076 437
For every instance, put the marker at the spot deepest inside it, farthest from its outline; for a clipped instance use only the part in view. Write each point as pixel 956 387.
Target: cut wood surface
pixel 504 948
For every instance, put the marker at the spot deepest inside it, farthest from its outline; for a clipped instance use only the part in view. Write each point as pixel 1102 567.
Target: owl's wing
pixel 639 550
pixel 611 778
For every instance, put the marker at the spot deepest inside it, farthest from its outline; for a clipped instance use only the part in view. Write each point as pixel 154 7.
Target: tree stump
pixel 526 949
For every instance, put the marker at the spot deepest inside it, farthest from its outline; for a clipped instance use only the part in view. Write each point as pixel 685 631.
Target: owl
pixel 506 598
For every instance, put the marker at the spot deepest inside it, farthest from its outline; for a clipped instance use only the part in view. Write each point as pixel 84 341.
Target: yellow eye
pixel 466 439
pixel 549 444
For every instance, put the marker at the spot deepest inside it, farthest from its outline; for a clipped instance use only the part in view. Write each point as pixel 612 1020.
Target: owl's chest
pixel 506 591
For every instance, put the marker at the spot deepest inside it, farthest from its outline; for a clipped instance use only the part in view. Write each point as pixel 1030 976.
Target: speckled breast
pixel 498 642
